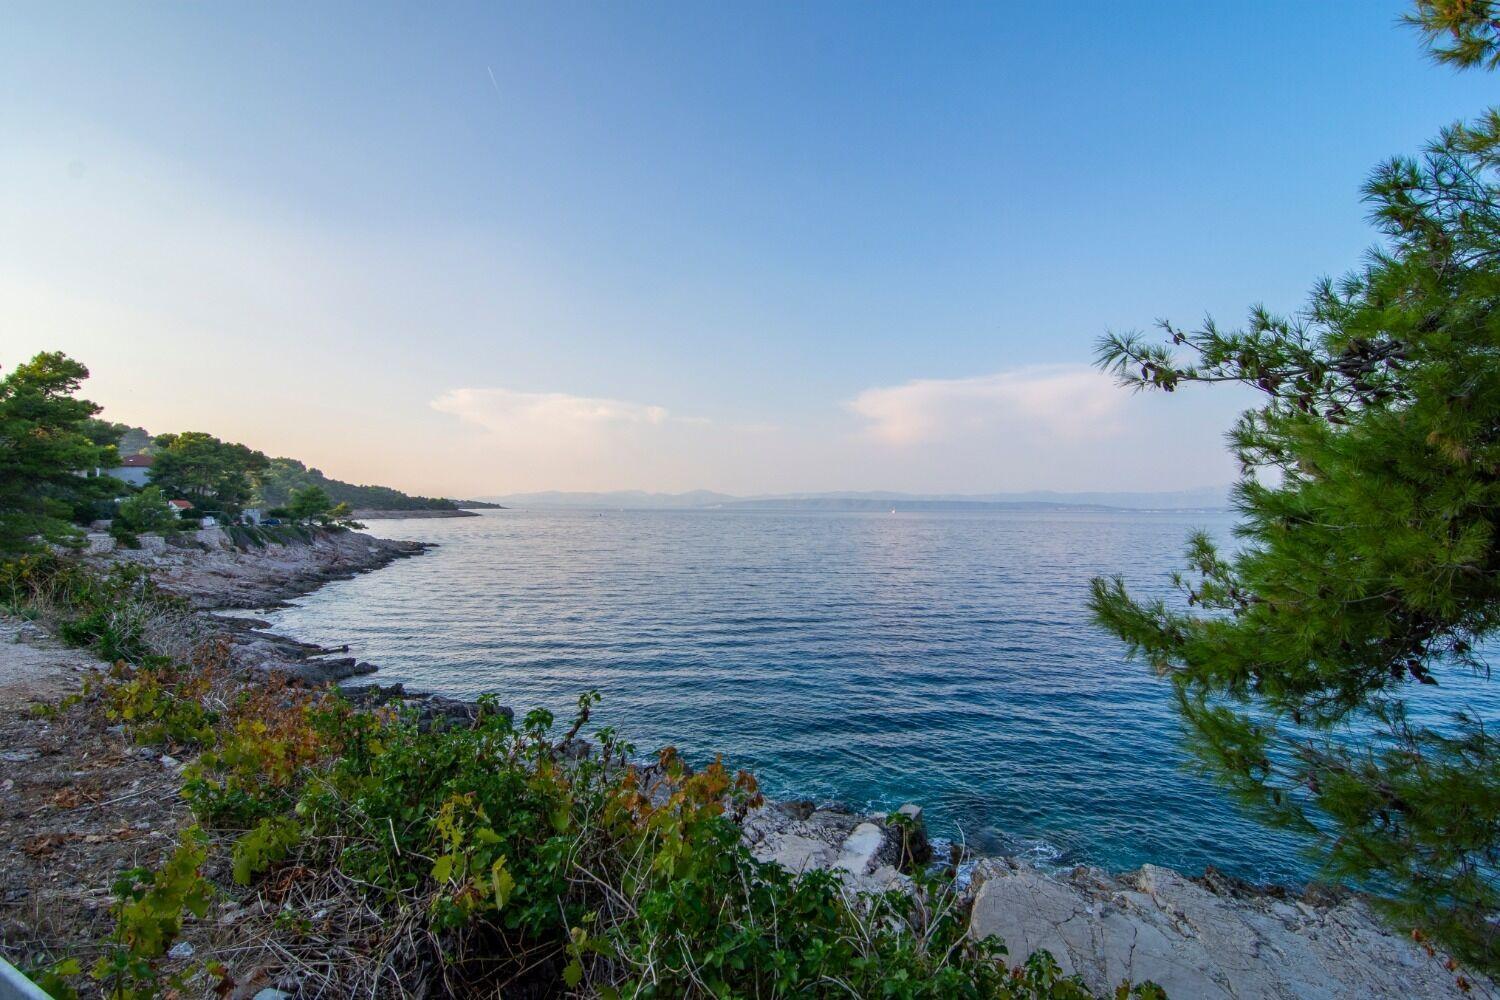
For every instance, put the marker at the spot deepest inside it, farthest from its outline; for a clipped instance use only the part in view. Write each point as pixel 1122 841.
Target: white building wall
pixel 133 476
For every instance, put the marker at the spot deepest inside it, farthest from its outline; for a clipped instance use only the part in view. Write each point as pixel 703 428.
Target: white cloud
pixel 197 304
pixel 556 440
pixel 508 413
pixel 1058 427
pixel 1070 403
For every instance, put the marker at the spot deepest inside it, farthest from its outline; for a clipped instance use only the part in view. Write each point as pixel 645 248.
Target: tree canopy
pixel 282 476
pixel 1368 572
pixel 48 443
pixel 146 511
pixel 312 505
pixel 215 475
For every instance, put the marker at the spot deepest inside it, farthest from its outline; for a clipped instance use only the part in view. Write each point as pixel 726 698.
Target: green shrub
pixel 110 612
pixel 146 511
pixel 616 886
pixel 159 704
pixel 526 858
pixel 148 918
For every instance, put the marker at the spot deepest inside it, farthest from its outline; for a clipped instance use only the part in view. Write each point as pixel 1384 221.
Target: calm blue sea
pixel 872 659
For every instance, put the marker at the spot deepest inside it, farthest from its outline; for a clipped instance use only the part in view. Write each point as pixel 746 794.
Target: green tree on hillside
pixel 45 451
pixel 1369 571
pixel 134 441
pixel 105 432
pixel 146 511
pixel 312 505
pixel 309 503
pixel 274 486
pixel 215 475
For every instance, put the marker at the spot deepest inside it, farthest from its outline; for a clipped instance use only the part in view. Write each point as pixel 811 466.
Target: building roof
pixel 181 504
pixel 136 462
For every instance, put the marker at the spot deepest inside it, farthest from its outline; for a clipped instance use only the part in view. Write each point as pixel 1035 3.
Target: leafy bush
pixel 533 863
pixel 159 704
pixel 146 511
pixel 594 875
pixel 148 918
pixel 270 737
pixel 117 614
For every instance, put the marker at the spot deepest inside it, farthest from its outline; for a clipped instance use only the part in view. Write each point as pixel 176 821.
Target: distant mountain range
pixel 1206 498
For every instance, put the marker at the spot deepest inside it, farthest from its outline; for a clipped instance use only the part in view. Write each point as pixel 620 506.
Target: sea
pixel 868 659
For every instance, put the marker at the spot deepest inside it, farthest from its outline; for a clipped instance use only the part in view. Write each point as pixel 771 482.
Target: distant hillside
pixel 134 441
pixel 1207 498
pixel 618 498
pixel 287 474
pixel 899 505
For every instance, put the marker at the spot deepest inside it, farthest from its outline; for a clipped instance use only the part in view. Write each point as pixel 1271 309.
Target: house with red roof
pixel 133 469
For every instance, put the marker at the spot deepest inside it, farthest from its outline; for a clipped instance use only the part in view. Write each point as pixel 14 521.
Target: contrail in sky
pixel 491 72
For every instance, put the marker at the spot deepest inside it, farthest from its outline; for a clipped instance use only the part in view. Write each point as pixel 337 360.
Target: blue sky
pixel 470 249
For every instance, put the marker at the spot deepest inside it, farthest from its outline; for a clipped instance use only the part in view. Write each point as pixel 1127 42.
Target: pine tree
pixel 47 451
pixel 1369 564
pixel 215 475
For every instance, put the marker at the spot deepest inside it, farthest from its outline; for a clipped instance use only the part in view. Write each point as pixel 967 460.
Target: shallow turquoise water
pixel 866 658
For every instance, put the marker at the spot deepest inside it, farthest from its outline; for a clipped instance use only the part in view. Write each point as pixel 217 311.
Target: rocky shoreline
pixel 1207 937
pixel 213 573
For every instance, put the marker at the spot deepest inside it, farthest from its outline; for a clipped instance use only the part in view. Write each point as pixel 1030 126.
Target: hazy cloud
pixel 1065 402
pixel 507 412
pixel 577 441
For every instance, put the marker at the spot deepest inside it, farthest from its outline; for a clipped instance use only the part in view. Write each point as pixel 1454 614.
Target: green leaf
pixel 502 881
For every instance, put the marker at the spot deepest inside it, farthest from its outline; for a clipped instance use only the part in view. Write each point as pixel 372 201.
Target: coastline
pixel 397 515
pixel 1209 936
pixel 214 574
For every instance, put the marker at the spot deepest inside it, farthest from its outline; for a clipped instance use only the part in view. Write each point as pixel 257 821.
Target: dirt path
pixel 79 804
pixel 36 667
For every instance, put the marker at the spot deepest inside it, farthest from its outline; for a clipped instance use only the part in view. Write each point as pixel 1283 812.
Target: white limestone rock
pixel 214 538
pixel 858 852
pixel 1194 941
pixel 795 853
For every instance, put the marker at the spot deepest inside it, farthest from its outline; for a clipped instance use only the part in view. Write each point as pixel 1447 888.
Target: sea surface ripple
pixel 870 659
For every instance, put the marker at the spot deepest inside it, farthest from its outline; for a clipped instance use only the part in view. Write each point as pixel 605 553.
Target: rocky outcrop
pixel 432 710
pixel 1199 939
pixel 209 569
pixel 211 572
pixel 870 853
pixel 255 650
pixel 1212 938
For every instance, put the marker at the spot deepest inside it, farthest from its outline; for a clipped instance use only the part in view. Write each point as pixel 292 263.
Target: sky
pixel 749 247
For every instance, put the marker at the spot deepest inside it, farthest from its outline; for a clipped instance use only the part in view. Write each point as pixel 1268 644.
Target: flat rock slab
pixel 857 855
pixel 1196 942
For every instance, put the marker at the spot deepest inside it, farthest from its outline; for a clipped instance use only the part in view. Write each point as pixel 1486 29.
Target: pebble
pixel 180 950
